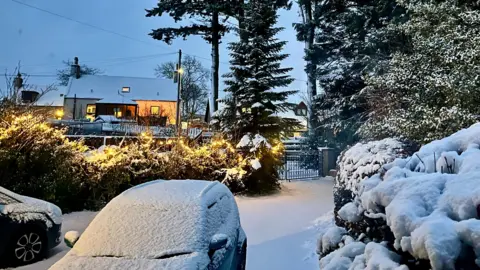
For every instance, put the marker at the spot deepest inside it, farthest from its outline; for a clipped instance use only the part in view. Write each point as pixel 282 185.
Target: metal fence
pixel 301 164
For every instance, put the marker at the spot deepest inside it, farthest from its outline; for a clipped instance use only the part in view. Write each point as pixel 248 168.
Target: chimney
pixel 18 81
pixel 75 69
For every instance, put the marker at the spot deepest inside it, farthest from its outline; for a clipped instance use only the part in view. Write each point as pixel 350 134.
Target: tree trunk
pixel 311 67
pixel 215 63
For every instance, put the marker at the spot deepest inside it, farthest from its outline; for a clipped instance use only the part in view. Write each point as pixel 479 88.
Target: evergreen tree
pixel 254 99
pixel 209 25
pixel 432 89
pixel 350 42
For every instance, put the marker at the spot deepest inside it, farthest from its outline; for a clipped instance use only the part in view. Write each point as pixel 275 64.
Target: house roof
pixel 116 100
pixel 108 87
pixel 53 97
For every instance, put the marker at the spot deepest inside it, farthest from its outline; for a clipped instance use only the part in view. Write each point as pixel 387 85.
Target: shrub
pixel 265 160
pixel 359 162
pixel 42 163
pixel 38 161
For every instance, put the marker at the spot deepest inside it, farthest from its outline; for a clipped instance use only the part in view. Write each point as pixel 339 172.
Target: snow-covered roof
pixel 116 100
pixel 102 87
pixel 54 97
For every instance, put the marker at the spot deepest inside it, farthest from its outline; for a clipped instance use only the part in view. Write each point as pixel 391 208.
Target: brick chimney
pixel 75 69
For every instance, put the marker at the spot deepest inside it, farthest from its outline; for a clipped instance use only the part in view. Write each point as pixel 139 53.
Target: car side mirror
pixel 218 241
pixel 71 238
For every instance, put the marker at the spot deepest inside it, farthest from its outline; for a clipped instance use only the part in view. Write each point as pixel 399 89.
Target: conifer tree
pixel 254 95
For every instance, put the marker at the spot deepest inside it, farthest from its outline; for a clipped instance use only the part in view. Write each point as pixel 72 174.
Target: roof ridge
pixel 130 77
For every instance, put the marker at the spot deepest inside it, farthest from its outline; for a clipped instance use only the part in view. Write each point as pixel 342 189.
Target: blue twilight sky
pixel 40 41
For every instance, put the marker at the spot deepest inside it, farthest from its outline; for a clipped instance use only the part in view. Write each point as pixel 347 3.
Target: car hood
pixel 191 261
pixel 32 209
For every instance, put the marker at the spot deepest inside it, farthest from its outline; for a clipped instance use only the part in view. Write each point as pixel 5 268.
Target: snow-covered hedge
pixel 430 202
pixel 42 163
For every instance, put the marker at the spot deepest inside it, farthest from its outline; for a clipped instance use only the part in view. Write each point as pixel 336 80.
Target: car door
pixel 219 213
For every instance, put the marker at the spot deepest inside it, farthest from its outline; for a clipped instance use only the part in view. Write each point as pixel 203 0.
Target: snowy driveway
pixel 277 226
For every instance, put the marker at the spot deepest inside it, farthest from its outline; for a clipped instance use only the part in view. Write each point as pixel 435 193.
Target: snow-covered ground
pixel 280 228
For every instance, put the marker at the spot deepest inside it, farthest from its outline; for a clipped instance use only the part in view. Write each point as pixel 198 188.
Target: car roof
pixel 173 192
pixel 157 218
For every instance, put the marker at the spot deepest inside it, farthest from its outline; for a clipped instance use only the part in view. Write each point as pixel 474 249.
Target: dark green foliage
pixel 253 99
pixel 351 41
pixel 265 179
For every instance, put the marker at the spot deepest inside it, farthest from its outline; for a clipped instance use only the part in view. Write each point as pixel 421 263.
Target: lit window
pixel 154 110
pixel 91 108
pixel 247 110
pixel 117 112
pixel 126 89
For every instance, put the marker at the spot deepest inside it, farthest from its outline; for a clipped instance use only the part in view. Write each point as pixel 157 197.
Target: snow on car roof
pixel 152 220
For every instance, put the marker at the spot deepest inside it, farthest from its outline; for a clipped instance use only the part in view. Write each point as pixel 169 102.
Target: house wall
pixel 81 107
pixel 167 108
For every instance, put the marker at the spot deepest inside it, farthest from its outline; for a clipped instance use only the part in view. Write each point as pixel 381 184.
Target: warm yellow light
pixel 180 70
pixel 59 113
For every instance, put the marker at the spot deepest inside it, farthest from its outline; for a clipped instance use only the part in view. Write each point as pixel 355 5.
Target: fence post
pixel 325 155
pixel 329 156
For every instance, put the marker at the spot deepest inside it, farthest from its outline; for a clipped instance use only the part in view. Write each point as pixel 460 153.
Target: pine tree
pixel 432 89
pixel 350 42
pixel 254 99
pixel 209 25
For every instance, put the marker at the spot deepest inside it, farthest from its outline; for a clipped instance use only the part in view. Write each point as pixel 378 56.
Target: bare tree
pixel 194 84
pixel 63 75
pixel 11 95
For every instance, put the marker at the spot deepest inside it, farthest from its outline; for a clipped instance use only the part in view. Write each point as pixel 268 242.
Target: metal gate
pixel 301 164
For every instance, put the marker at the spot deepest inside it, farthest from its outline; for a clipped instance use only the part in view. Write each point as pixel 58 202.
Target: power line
pixel 113 32
pixel 87 24
pixel 106 61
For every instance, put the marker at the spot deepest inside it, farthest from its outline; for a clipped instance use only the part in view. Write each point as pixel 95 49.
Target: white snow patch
pixel 255 163
pixel 365 159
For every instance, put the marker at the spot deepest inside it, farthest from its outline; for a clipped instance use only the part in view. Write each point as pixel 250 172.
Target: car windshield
pixel 142 231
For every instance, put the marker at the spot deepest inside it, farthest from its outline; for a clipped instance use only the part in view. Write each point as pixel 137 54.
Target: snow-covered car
pixel 175 224
pixel 28 228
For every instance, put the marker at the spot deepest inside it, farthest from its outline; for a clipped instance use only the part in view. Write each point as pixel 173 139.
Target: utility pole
pixel 179 72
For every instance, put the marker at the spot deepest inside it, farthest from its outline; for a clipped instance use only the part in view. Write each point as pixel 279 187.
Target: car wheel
pixel 243 260
pixel 26 247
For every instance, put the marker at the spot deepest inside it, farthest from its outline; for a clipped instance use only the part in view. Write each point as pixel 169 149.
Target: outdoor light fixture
pixel 59 114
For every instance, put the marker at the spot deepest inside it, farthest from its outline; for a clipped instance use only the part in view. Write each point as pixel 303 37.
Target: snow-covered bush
pixel 38 160
pixel 111 169
pixel 366 159
pixel 265 160
pixel 430 202
pixel 356 164
pixel 42 163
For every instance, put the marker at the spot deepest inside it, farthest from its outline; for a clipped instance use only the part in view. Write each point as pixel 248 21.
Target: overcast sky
pixel 40 41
